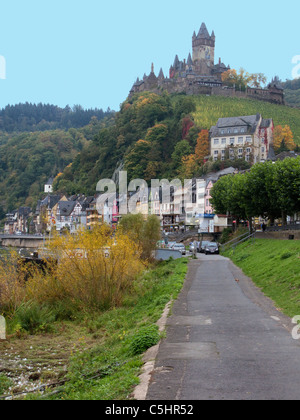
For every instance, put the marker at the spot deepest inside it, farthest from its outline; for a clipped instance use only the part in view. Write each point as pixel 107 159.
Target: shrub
pixel 11 284
pixel 145 338
pixel 32 317
pixel 286 255
pixel 95 269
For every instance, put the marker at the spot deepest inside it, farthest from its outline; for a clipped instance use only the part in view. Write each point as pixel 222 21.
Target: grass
pixel 105 349
pixel 274 266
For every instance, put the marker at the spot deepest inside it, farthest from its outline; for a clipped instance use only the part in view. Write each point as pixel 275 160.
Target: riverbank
pixel 96 355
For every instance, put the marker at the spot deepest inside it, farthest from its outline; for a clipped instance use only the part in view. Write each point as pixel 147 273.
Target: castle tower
pixel 204 51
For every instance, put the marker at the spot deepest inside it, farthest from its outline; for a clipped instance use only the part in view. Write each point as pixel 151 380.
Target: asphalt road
pixel 225 341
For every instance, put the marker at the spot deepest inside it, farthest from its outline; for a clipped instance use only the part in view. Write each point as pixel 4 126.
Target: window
pixel 241 140
pixel 223 141
pixel 243 130
pixel 216 152
pixel 240 151
pixel 232 141
pixel 229 131
pixel 235 130
pixel 216 141
pixel 223 152
pixel 247 158
pixel 222 131
pixel 248 139
pixel 248 150
pixel 263 150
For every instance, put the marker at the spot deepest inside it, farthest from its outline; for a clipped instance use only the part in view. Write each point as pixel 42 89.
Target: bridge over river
pixel 22 241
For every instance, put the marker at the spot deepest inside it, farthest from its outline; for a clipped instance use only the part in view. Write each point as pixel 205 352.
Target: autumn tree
pixel 283 138
pixel 202 147
pixel 189 166
pixel 242 79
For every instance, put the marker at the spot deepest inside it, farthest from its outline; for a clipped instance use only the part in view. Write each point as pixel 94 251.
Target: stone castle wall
pixel 189 87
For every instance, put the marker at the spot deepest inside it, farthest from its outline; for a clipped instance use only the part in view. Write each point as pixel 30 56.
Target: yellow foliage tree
pixel 202 147
pixel 283 138
pixel 189 166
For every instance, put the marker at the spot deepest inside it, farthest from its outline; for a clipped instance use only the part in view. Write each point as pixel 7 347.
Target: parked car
pixel 18 233
pixel 211 248
pixel 203 246
pixel 179 247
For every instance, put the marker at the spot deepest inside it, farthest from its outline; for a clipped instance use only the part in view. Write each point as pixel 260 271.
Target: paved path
pixel 225 341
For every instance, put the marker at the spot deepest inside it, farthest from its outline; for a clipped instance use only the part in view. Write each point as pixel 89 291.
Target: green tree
pixel 146 232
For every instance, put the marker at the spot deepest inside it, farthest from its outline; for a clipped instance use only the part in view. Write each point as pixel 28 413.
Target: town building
pixel 48 187
pixel 248 137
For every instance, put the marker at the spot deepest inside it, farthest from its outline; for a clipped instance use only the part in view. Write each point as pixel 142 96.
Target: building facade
pixel 248 137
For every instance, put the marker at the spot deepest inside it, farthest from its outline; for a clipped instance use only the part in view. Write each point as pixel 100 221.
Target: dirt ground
pixel 32 362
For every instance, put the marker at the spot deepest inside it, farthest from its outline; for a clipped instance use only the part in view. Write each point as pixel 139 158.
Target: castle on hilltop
pixel 198 74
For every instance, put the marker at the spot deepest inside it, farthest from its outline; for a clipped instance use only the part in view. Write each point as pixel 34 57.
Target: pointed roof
pixel 50 181
pixel 66 207
pixel 203 32
pixel 161 74
pixel 176 62
pixel 189 60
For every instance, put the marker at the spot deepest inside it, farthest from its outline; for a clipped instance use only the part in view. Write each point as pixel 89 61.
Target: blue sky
pixel 90 52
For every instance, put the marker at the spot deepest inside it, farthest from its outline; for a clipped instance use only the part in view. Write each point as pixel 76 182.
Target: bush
pixel 145 338
pixel 32 317
pixel 286 255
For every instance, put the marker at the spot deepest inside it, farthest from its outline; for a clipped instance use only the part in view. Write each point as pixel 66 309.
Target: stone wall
pixel 191 87
pixel 279 235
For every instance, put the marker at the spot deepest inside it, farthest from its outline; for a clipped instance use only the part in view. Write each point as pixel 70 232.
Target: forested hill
pixel 156 136
pixel 29 159
pixel 292 92
pixel 41 117
pixel 152 136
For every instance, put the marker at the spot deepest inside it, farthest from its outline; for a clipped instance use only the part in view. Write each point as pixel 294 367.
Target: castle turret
pixel 204 51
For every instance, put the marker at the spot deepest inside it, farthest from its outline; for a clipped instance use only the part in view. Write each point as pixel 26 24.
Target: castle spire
pixel 203 32
pixel 161 74
pixel 176 62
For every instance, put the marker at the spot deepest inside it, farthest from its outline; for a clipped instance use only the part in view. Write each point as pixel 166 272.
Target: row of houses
pixel 182 207
pixel 247 137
